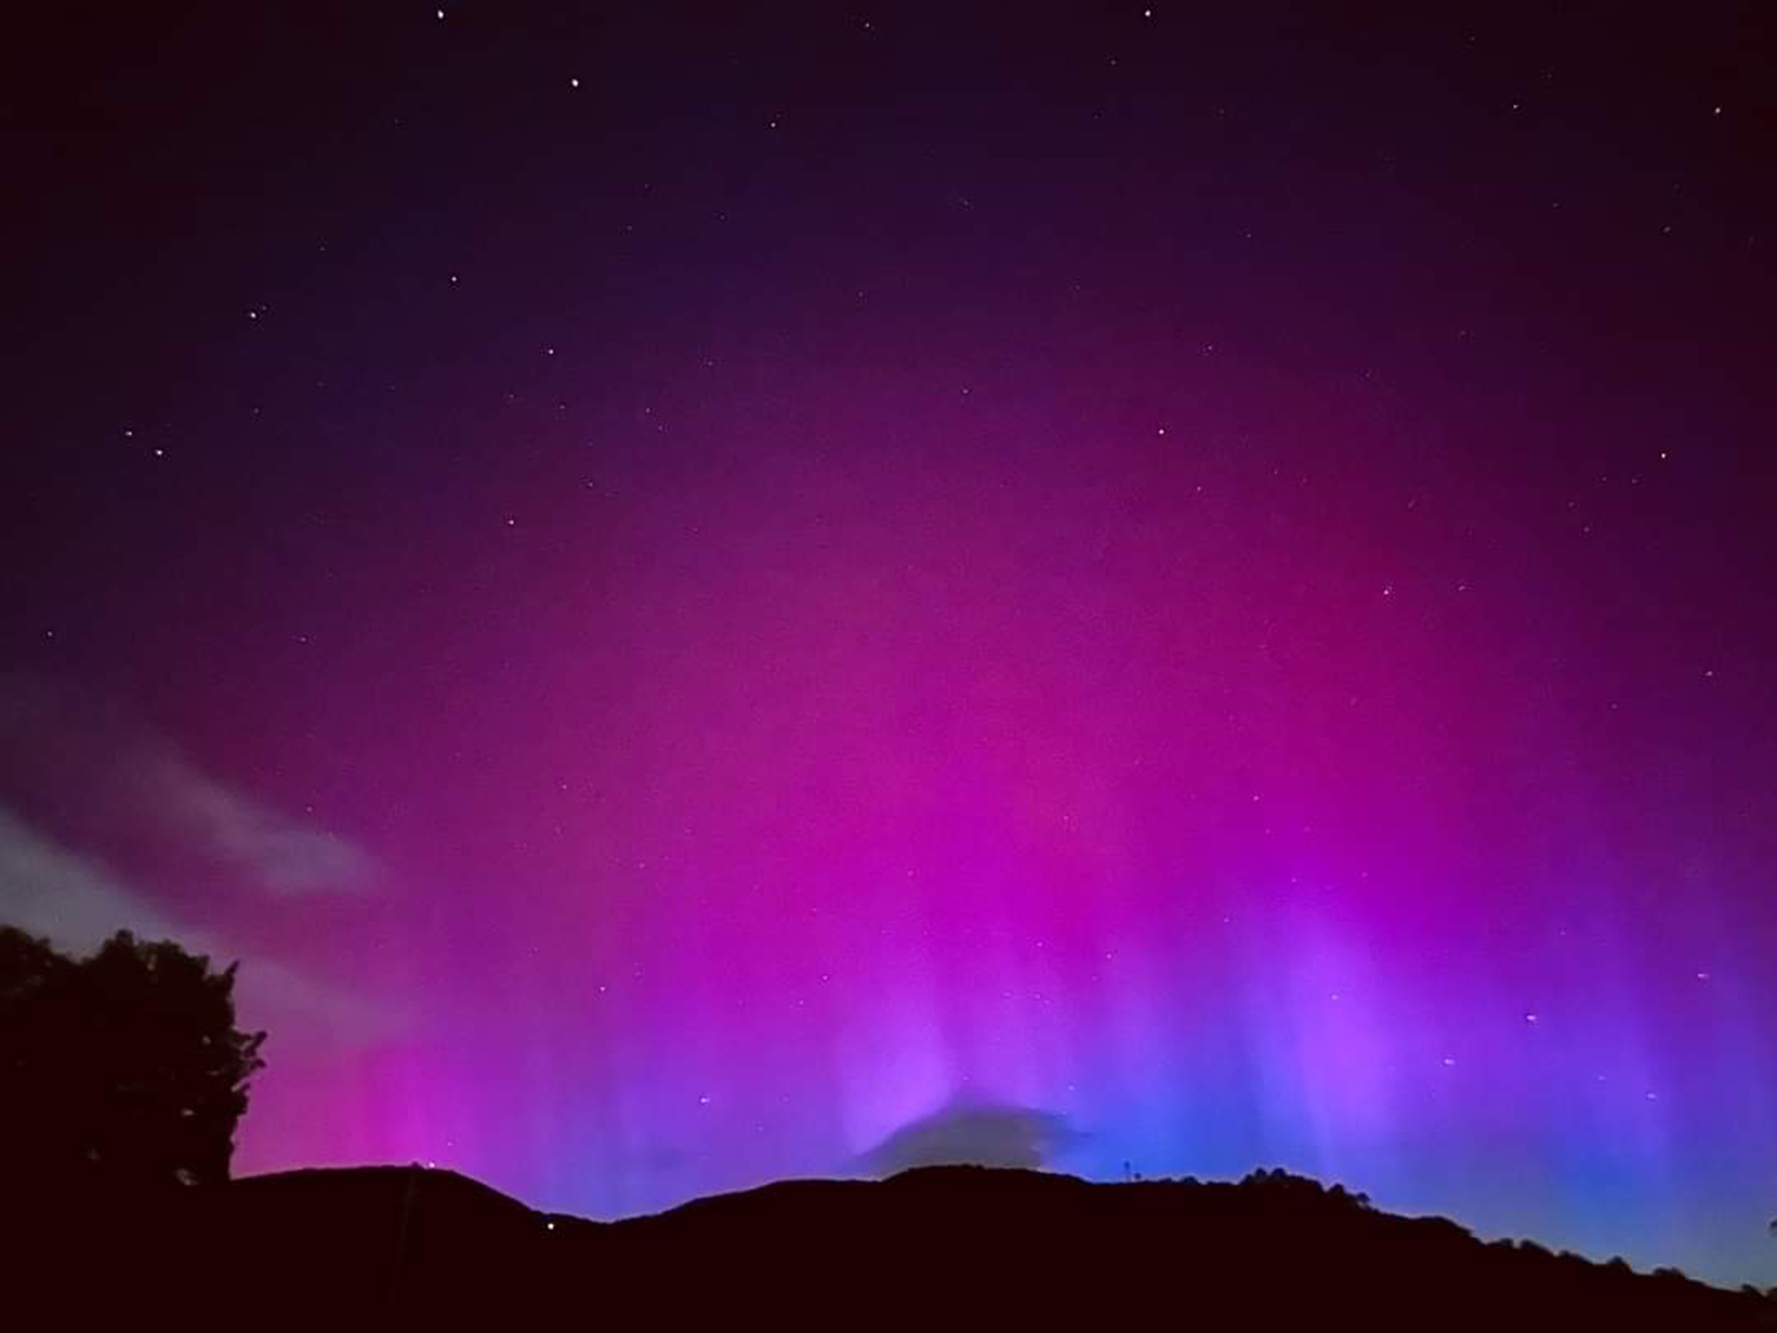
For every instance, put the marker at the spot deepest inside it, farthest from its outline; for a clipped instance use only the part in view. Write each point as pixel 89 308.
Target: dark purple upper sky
pixel 702 598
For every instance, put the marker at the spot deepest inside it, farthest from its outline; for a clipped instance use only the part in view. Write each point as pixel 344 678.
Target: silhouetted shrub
pixel 122 1070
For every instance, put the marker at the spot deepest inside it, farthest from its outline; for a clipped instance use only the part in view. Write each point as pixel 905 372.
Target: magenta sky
pixel 681 631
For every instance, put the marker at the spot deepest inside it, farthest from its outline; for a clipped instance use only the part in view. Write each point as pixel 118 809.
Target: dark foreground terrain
pixel 937 1245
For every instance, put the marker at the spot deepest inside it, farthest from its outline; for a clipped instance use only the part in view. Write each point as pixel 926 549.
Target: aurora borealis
pixel 688 593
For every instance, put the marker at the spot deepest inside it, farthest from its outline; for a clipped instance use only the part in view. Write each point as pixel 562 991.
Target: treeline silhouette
pixel 126 1074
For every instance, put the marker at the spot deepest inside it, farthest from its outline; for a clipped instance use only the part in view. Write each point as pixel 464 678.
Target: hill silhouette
pixel 935 1243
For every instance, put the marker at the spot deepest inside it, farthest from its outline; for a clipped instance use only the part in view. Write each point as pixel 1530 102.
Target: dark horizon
pixel 1274 1248
pixel 691 590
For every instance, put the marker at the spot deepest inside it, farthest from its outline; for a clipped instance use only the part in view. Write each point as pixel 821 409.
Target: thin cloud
pixel 78 903
pixel 282 855
pixel 49 890
pixel 104 781
pixel 974 1135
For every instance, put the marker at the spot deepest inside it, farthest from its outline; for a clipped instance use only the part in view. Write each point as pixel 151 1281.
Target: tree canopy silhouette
pixel 123 1070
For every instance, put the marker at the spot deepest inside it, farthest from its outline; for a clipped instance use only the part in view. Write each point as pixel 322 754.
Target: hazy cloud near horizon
pixel 974 1135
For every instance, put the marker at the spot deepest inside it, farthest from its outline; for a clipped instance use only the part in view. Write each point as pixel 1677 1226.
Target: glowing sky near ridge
pixel 748 601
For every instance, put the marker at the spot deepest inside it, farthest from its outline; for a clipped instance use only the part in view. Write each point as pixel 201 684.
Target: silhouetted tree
pixel 121 1070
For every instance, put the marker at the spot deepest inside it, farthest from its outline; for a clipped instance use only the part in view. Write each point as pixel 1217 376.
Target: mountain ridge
pixel 1272 1250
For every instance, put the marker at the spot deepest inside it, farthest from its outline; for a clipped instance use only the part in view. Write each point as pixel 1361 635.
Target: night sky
pixel 709 596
